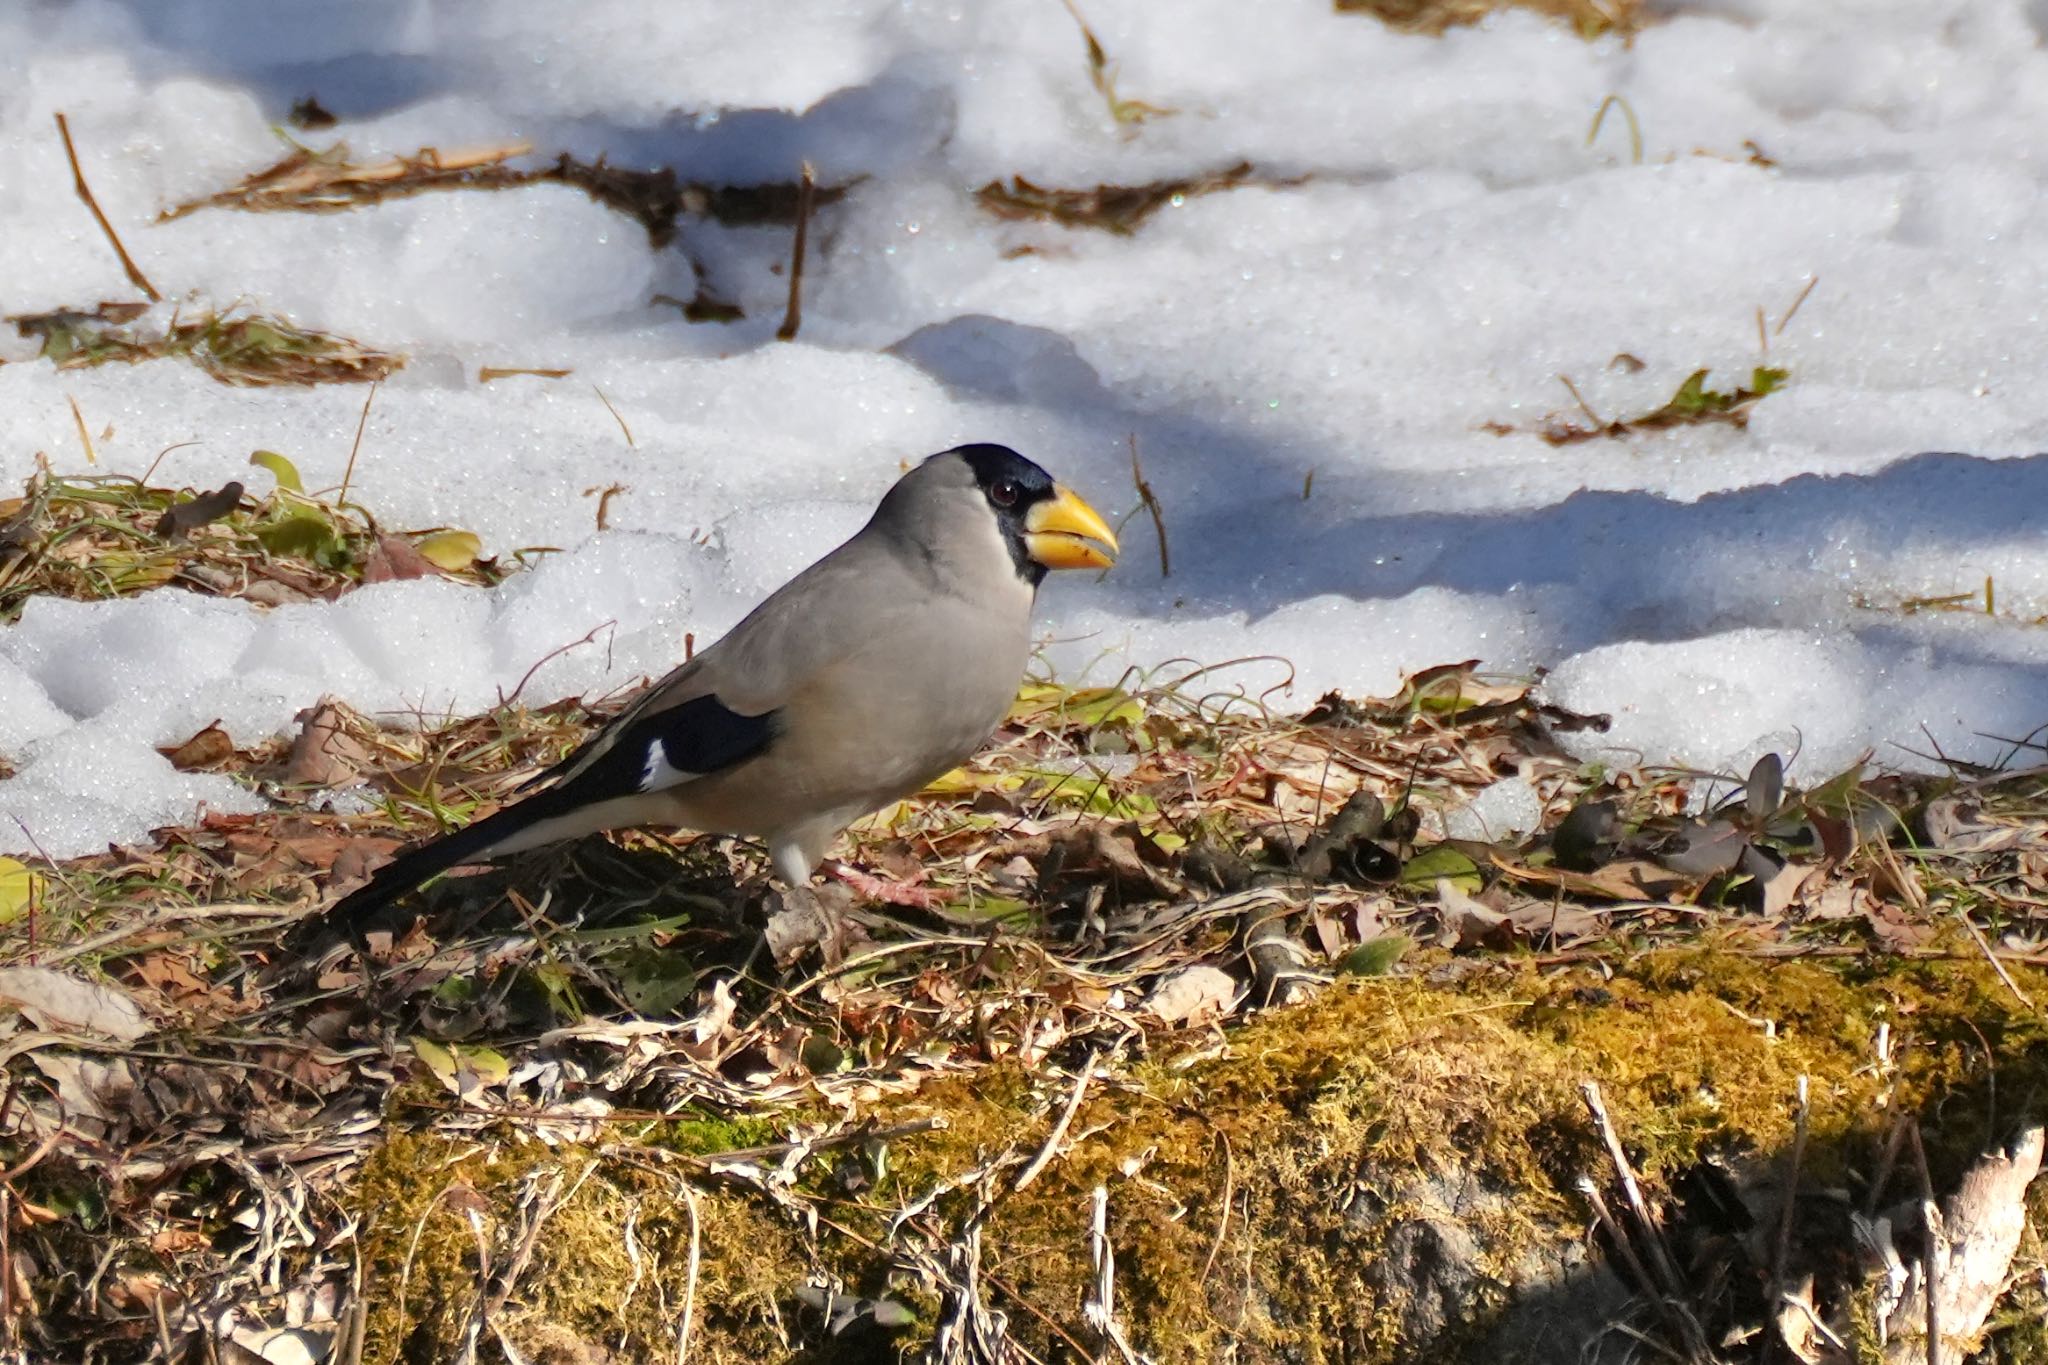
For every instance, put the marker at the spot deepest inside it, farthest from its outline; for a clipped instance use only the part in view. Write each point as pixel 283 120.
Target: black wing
pixel 638 753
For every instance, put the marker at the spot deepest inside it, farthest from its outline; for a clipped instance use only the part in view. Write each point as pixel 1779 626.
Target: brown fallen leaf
pixel 324 754
pixel 357 860
pixel 803 918
pixel 210 748
pixel 60 1000
pixel 1635 879
pixel 394 558
pixel 1092 849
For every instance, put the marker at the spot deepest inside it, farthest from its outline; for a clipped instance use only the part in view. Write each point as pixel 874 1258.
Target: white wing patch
pixel 658 774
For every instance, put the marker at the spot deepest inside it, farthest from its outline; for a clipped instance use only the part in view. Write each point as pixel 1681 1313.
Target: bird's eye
pixel 1005 492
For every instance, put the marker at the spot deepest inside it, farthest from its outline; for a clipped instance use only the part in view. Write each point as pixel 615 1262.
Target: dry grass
pixel 1589 18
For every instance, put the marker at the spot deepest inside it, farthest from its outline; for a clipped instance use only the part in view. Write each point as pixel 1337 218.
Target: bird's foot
pixel 887 890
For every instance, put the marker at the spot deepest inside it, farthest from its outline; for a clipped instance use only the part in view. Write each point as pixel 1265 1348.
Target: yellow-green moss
pixel 1326 1124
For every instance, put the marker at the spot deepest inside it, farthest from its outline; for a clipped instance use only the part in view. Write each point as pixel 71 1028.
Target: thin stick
pixel 356 445
pixel 1660 1256
pixel 135 275
pixel 1930 1213
pixel 1811 281
pixel 1623 1246
pixel 150 472
pixel 1223 1222
pixel 1580 399
pixel 1992 958
pixel 1037 1164
pixel 84 436
pixel 7 1269
pixel 1151 501
pixel 690 1283
pixel 1791 1196
pixel 630 444
pixel 1635 130
pixel 792 317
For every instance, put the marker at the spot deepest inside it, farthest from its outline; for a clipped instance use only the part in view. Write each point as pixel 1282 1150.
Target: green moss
pixel 1257 1196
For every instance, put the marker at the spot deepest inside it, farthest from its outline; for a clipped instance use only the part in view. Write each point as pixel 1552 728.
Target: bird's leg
pixel 885 890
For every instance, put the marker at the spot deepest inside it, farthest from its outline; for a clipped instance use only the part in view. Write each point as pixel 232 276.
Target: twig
pixel 1635 130
pixel 1930 1213
pixel 1222 1222
pixel 1992 958
pixel 1624 1245
pixel 1598 422
pixel 135 275
pixel 7 1269
pixel 1037 1164
pixel 362 421
pixel 1811 281
pixel 690 1282
pixel 792 317
pixel 84 436
pixel 1100 1307
pixel 1151 502
pixel 150 472
pixel 1791 1196
pixel 527 677
pixel 630 443
pixel 1667 1282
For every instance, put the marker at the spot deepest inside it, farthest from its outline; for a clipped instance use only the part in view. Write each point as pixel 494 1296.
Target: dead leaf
pixel 1468 922
pixel 1556 924
pixel 1632 879
pixel 324 754
pixel 804 918
pixel 210 748
pixel 393 559
pixel 1192 995
pixel 357 859
pixel 1093 849
pixel 60 1001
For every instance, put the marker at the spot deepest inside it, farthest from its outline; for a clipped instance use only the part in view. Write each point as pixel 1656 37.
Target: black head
pixel 1013 486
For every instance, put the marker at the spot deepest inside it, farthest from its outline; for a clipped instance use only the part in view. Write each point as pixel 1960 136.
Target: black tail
pixel 472 843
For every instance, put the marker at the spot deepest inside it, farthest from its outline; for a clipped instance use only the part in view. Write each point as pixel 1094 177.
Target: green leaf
pixel 1441 860
pixel 437 1059
pixel 302 535
pixel 655 980
pixel 450 550
pixel 1375 956
pixel 1694 397
pixel 462 1069
pixel 284 471
pixel 1767 379
pixel 993 910
pixel 20 886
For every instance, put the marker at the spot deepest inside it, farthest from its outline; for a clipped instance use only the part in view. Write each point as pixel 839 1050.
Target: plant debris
pixel 590 1034
pixel 1111 208
pixel 309 180
pixel 1693 404
pixel 108 536
pixel 244 349
pixel 328 180
pixel 1588 18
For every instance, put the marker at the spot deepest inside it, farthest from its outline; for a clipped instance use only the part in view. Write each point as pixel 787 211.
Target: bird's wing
pixel 721 708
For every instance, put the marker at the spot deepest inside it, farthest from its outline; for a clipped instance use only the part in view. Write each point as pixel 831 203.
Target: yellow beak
pixel 1062 533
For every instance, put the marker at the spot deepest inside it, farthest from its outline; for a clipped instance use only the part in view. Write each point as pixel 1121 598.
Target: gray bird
pixel 883 665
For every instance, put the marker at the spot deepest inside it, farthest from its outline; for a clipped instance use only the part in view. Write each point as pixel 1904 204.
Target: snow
pixel 1305 362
